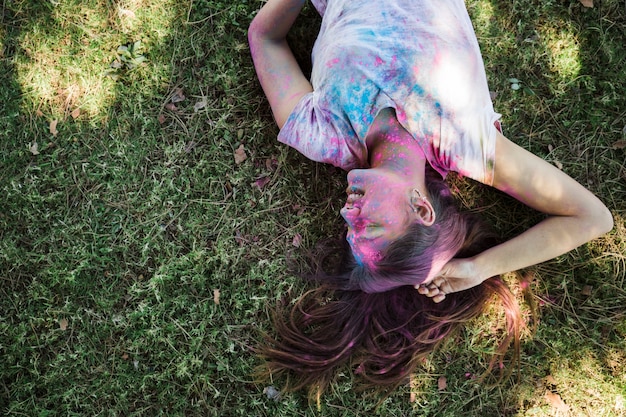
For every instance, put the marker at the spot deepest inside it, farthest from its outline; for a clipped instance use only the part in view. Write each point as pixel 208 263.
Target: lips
pixel 353 197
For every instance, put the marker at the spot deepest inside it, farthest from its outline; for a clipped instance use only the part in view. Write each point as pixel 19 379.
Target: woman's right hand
pixel 456 275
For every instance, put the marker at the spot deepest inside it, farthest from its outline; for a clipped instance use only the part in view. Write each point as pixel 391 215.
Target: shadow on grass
pixel 83 224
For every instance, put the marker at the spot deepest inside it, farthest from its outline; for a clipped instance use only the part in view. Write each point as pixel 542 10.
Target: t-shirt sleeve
pixel 472 151
pixel 320 6
pixel 321 135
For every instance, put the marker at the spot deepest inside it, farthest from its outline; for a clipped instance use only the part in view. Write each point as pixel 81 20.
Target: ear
pixel 423 210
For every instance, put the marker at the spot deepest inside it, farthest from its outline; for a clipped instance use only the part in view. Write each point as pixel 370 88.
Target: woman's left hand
pixel 456 275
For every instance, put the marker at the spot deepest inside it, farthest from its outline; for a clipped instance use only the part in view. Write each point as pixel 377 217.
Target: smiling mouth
pixel 354 195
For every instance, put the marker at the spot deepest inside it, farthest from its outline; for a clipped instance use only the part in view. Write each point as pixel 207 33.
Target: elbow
pixel 256 31
pixel 257 35
pixel 605 221
pixel 601 221
pixel 253 33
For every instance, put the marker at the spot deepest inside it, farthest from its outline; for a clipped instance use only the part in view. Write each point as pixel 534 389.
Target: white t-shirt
pixel 419 57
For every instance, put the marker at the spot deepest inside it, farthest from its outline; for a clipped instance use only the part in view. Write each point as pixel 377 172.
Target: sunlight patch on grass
pixel 68 53
pixel 564 57
pixel 580 384
pixel 482 13
pixel 2 40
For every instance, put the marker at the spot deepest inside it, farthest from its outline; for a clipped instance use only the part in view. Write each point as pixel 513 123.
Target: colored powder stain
pixel 332 62
pixel 438 109
pixel 377 158
pixel 418 89
pixel 379 61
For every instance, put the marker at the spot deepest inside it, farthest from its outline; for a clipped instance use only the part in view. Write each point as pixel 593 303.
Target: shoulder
pixel 322 135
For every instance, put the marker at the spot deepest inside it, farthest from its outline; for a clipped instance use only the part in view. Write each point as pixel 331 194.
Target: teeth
pixel 352 197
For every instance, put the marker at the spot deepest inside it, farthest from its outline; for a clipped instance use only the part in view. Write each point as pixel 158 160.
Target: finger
pixel 421 289
pixel 439 281
pixel 439 297
pixel 443 285
pixel 432 291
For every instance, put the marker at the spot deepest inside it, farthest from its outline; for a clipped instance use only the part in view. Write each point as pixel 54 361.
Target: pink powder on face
pixel 368 256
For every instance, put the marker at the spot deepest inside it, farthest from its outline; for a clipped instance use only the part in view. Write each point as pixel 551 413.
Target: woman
pixel 398 97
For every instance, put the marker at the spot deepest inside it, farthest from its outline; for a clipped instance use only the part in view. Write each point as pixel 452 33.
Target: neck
pixel 391 147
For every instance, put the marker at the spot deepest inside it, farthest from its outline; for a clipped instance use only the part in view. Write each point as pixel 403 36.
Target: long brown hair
pixel 377 322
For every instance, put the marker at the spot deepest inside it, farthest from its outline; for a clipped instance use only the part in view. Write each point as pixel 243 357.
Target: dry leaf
pixel 620 144
pixel 161 118
pixel 413 386
pixel 34 148
pixel 171 107
pixel 271 163
pixel 587 289
pixel 190 146
pixel 442 383
pixel 240 155
pixel 297 240
pixel 53 127
pixel 39 113
pixel 558 164
pixel 262 182
pixel 127 13
pixel 75 113
pixel 239 238
pixel 555 401
pixel 63 324
pixel 200 105
pixel 125 356
pixel 216 296
pixel 177 96
pixel 272 393
pixel 550 380
pixel 587 3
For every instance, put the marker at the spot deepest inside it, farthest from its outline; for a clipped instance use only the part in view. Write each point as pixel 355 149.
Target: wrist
pixel 483 268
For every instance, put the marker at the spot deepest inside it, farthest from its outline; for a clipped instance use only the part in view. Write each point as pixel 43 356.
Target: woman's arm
pixel 280 75
pixel 576 216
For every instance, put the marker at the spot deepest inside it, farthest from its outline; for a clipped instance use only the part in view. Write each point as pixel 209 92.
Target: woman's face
pixel 378 210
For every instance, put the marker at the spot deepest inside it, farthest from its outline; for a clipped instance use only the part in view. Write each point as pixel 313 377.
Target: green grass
pixel 115 236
